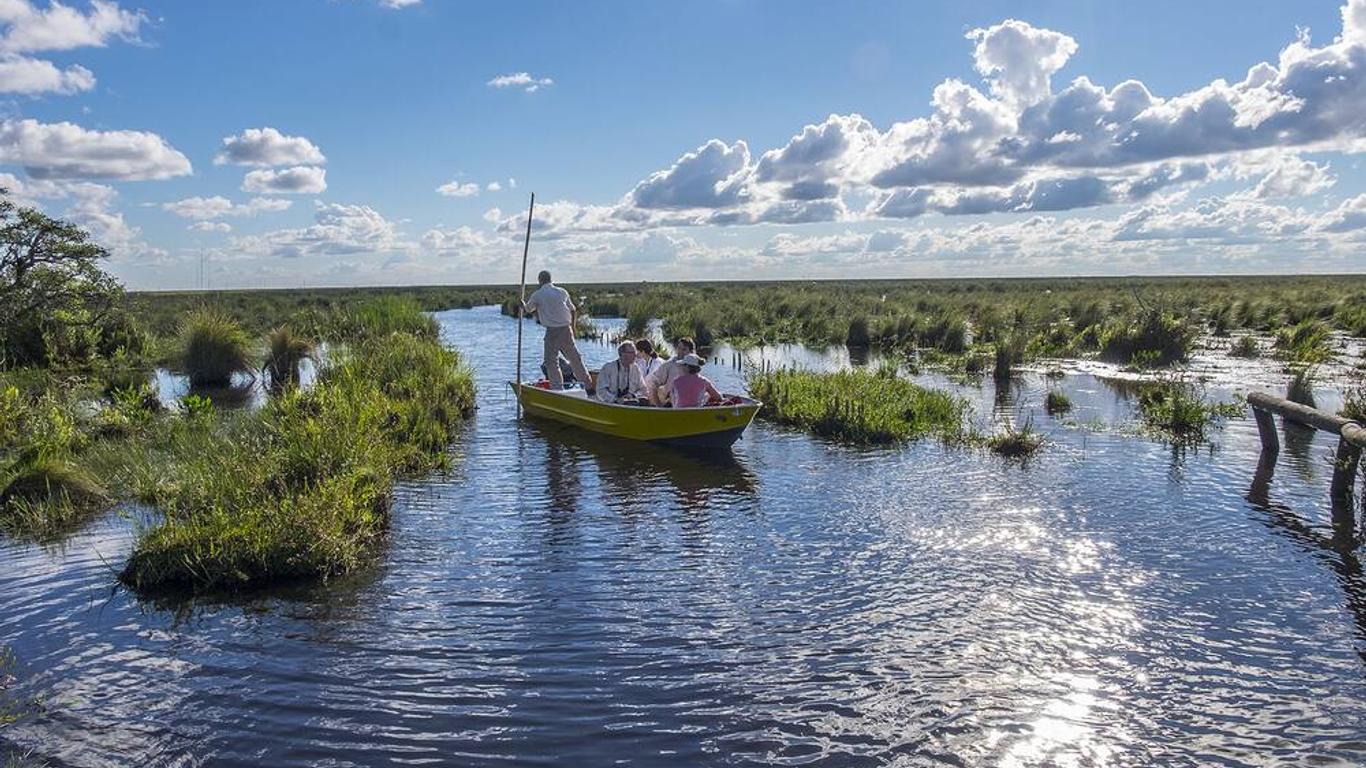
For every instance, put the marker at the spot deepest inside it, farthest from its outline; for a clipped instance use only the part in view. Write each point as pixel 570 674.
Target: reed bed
pixel 1177 410
pixel 858 406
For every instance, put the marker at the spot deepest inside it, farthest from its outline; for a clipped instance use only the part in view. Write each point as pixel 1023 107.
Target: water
pixel 559 599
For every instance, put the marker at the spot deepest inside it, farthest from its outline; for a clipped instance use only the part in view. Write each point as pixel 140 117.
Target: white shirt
pixel 614 383
pixel 647 365
pixel 665 374
pixel 552 305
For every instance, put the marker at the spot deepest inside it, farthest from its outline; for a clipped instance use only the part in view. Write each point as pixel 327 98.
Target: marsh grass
pixel 1301 387
pixel 285 352
pixel 1246 347
pixel 1158 338
pixel 1009 352
pixel 1354 403
pixel 1306 343
pixel 1177 410
pixel 858 406
pixel 299 490
pixel 1015 441
pixel 1056 403
pixel 213 348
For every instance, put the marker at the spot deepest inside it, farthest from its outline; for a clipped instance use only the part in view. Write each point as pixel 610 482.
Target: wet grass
pixel 1015 441
pixel 1056 403
pixel 213 348
pixel 1177 410
pixel 301 489
pixel 858 406
pixel 1308 342
pixel 285 352
pixel 1246 347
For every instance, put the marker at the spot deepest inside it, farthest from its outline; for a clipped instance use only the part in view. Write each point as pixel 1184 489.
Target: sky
pixel 259 143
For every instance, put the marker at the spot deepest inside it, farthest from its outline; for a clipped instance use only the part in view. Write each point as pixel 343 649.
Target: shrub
pixel 857 336
pixel 213 348
pixel 1177 410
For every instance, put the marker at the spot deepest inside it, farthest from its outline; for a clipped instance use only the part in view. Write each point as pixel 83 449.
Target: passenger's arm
pixel 712 393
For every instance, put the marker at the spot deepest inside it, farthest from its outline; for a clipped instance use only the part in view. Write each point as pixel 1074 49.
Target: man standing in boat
pixel 555 311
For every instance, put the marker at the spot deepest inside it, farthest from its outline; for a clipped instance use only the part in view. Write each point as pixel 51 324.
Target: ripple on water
pixel 557 599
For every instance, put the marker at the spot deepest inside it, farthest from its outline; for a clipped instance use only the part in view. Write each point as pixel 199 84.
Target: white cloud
pixel 399 4
pixel 1350 216
pixel 337 230
pixel 68 151
pixel 20 74
pixel 264 147
pixel 712 176
pixel 1019 60
pixel 219 227
pixel 299 180
pixel 522 80
pixel 1294 177
pixel 493 186
pixel 457 189
pixel 205 208
pixel 61 27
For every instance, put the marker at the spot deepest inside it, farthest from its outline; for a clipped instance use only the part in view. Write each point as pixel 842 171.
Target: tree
pixel 56 303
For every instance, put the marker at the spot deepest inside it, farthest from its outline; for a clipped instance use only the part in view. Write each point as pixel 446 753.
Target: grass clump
pixel 299 490
pixel 286 350
pixel 1178 410
pixel 1056 403
pixel 1159 338
pixel 1015 442
pixel 1354 403
pixel 858 406
pixel 213 348
pixel 1306 343
pixel 1009 353
pixel 1246 347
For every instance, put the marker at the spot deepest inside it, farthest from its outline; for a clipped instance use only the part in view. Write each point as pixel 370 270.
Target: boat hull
pixel 709 427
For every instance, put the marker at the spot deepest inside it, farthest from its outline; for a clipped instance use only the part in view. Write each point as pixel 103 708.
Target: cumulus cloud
pixel 218 227
pixel 337 230
pixel 68 151
pixel 522 80
pixel 710 177
pixel 205 208
pixel 27 29
pixel 1294 177
pixel 457 189
pixel 265 147
pixel 399 4
pixel 19 74
pixel 299 180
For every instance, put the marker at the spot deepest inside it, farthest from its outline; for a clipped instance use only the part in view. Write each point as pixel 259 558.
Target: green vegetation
pixel 286 351
pixel 1354 403
pixel 1056 403
pixel 1246 347
pixel 213 348
pixel 1301 386
pixel 858 406
pixel 12 708
pixel 1307 342
pixel 1015 442
pixel 1158 338
pixel 300 489
pixel 1177 410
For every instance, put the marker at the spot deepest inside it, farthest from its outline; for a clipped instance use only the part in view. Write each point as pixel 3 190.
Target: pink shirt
pixel 690 390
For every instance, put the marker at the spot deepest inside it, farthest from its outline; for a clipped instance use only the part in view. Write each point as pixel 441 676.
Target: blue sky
pixel 336 142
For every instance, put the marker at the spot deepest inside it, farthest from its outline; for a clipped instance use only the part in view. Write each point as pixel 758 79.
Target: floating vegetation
pixel 213 348
pixel 1056 403
pixel 858 406
pixel 1015 442
pixel 1177 410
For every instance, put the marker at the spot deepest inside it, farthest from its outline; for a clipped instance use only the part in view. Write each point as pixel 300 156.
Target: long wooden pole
pixel 521 302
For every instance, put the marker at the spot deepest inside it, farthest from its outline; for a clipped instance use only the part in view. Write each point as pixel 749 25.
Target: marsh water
pixel 560 599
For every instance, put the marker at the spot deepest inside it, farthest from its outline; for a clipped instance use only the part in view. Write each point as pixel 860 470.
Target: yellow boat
pixel 716 426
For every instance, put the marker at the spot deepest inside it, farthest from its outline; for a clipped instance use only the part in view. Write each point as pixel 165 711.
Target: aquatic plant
pixel 44 496
pixel 1055 403
pixel 1177 410
pixel 857 406
pixel 1354 403
pixel 1159 338
pixel 857 337
pixel 299 490
pixel 1306 342
pixel 381 316
pixel 1301 387
pixel 213 348
pixel 1245 347
pixel 1015 442
pixel 1009 352
pixel 285 351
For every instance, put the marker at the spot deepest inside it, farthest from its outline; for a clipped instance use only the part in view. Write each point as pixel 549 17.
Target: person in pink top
pixel 691 389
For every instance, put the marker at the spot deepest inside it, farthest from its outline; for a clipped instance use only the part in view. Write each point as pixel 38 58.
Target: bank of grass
pixel 300 489
pixel 1177 410
pixel 858 406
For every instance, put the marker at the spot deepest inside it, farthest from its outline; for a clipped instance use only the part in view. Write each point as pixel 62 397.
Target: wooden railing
pixel 1351 435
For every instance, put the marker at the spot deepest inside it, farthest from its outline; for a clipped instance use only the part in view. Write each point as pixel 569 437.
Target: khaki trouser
pixel 560 341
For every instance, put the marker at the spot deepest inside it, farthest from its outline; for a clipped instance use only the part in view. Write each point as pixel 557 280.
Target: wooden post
pixel 521 302
pixel 1266 427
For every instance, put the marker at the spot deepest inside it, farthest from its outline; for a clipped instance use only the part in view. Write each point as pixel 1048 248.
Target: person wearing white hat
pixel 691 389
pixel 659 383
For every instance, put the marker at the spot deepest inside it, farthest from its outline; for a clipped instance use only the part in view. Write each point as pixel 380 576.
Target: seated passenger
pixel 659 385
pixel 647 360
pixel 691 389
pixel 619 381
